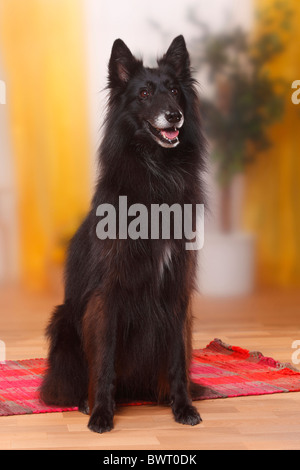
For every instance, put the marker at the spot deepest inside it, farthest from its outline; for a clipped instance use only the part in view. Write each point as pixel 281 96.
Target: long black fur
pixel 124 329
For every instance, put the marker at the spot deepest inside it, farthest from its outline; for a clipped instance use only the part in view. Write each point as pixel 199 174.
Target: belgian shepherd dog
pixel 123 332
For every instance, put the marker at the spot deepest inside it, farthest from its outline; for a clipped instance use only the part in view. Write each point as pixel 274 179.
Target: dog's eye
pixel 144 94
pixel 174 91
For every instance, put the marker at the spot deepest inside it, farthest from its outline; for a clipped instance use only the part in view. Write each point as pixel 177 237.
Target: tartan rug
pixel 223 371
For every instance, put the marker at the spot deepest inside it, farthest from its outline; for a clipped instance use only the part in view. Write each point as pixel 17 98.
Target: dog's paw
pixel 187 414
pixel 101 421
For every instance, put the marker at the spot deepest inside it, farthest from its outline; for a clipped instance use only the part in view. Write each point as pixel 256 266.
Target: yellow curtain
pixel 272 206
pixel 43 54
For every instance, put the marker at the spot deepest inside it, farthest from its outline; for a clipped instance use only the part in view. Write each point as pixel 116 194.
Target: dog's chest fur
pixel 165 260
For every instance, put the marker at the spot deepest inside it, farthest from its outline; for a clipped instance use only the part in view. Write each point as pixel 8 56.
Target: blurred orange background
pixel 53 58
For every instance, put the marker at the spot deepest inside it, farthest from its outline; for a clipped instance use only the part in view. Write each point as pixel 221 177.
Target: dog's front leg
pixel 183 410
pixel 100 342
pixel 101 391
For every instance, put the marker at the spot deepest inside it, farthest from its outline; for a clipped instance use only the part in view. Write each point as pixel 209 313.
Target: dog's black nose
pixel 173 117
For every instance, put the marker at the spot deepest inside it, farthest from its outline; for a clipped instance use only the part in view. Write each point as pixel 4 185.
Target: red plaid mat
pixel 223 370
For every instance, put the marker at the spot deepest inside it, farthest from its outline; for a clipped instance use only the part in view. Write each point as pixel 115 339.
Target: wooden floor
pixel 267 321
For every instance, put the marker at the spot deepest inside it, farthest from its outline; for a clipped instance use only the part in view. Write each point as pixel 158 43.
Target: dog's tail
pixel 65 380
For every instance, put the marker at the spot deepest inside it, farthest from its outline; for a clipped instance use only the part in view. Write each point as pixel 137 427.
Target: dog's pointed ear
pixel 122 64
pixel 177 56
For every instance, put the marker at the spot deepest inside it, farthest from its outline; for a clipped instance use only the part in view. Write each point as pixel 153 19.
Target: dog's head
pixel 151 100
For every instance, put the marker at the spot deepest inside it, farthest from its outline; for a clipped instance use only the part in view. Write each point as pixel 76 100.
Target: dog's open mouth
pixel 165 137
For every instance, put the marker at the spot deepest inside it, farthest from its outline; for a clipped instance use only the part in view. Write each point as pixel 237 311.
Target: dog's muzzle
pixel 164 134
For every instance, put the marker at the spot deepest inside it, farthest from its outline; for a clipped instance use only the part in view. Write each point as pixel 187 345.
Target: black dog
pixel 124 330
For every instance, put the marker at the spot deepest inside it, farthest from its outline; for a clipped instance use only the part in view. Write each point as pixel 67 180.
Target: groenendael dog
pixel 124 330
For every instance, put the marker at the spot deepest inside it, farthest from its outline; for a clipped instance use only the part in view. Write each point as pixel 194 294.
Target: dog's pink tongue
pixel 170 134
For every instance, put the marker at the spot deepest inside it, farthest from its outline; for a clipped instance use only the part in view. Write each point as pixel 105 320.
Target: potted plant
pixel 245 102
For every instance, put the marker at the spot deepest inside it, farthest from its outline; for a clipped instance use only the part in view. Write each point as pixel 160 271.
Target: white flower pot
pixel 227 264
